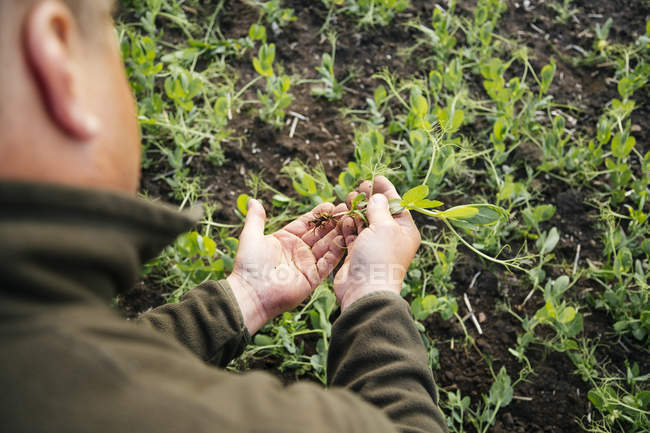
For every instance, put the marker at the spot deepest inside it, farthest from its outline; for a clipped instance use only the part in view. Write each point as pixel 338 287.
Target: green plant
pixel 500 396
pixel 563 10
pixel 277 97
pixel 193 259
pixel 182 88
pixel 330 87
pixel 285 336
pixel 622 403
pixel 275 14
pixel 374 12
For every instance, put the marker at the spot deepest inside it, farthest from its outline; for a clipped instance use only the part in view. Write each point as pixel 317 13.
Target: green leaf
pixel 418 139
pixel 263 63
pixel 450 118
pixel 548 72
pixel 358 200
pixel 346 180
pixel 414 195
pixel 487 215
pixel 543 212
pixel 500 129
pixel 281 200
pixel 457 119
pixel 621 150
pixel 501 391
pixel 551 240
pixel 306 187
pixel 435 81
pixel 232 244
pixel 604 131
pixel 257 32
pixel 424 307
pixel 428 204
pixel 596 399
pixel 221 109
pixel 643 396
pixel 559 286
pixel 575 326
pixel 263 340
pixel 420 106
pixel 242 204
pixel 380 94
pixel 460 212
pixel 623 261
pixel 567 315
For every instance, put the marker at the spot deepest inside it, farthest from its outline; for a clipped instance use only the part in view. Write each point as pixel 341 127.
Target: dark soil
pixel 553 397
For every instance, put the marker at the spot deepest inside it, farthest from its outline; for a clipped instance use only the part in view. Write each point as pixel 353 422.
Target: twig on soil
pixel 348 89
pixel 521 397
pixel 575 261
pixel 623 346
pixel 472 315
pixel 528 296
pixel 537 29
pixel 577 48
pixel 474 278
pixel 299 116
pixel 294 124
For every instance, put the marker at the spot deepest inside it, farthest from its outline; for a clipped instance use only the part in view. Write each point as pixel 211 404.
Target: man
pixel 72 237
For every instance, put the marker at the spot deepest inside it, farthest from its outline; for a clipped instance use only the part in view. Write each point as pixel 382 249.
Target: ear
pixel 50 35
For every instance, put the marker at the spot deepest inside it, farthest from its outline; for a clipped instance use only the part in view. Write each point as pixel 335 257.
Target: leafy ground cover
pixel 520 129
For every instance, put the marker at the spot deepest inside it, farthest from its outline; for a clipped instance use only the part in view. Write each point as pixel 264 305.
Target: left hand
pixel 275 273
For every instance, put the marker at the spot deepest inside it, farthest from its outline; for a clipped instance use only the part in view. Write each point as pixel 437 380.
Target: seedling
pixel 277 97
pixel 563 10
pixel 375 12
pixel 331 88
pixel 275 14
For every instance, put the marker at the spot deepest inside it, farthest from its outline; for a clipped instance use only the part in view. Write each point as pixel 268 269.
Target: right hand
pixel 379 255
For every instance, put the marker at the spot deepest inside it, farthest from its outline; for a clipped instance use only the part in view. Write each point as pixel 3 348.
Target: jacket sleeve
pixel 377 353
pixel 207 321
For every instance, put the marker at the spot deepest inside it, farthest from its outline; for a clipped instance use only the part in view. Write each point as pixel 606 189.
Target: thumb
pixel 378 210
pixel 255 220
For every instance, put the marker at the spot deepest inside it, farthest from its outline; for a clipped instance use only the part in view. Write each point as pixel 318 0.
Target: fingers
pixel 349 230
pixel 341 208
pixel 366 188
pixel 384 186
pixel 324 244
pixel 253 230
pixel 331 258
pixel 350 197
pixel 315 234
pixel 303 224
pixel 358 222
pixel 378 211
pixel 303 259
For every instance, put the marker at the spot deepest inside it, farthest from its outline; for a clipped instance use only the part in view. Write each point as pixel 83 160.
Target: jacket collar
pixel 61 244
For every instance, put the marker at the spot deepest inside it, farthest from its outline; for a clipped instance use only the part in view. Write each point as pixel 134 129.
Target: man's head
pixel 66 111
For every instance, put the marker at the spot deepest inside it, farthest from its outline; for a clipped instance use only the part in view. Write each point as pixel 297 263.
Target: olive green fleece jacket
pixel 69 363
